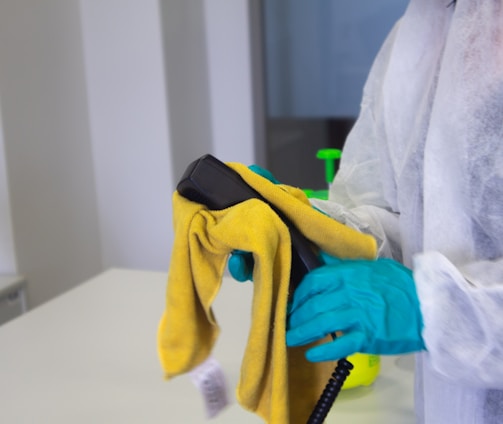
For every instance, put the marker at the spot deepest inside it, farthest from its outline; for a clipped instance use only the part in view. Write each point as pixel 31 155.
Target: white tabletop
pixel 89 356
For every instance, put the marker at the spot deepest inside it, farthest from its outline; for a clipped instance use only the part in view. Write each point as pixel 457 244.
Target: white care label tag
pixel 209 378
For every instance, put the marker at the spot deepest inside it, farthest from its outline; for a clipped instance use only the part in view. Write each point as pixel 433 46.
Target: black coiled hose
pixel 330 392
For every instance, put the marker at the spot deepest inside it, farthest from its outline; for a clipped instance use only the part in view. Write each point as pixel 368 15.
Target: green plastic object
pixel 329 156
pixel 316 194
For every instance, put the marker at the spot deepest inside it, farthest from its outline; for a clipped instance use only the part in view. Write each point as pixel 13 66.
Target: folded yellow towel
pixel 276 382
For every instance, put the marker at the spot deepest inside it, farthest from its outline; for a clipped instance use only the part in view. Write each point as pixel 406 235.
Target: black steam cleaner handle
pixel 210 182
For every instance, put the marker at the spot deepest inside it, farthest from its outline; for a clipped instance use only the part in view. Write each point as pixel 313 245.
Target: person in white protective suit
pixel 422 171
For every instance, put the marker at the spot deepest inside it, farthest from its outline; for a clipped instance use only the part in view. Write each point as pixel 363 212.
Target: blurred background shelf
pixel 12 297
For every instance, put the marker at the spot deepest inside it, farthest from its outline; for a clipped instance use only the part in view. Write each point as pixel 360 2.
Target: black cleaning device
pixel 210 182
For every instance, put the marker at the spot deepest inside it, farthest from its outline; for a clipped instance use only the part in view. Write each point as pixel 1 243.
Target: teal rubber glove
pixel 240 263
pixel 264 173
pixel 373 303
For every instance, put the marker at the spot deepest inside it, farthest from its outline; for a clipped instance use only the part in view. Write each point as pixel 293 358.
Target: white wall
pixel 186 61
pixel 129 131
pixel 208 69
pixel 104 103
pixel 230 79
pixel 47 149
pixel 7 256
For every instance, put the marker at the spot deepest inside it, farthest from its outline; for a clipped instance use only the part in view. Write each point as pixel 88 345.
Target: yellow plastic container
pixel 365 371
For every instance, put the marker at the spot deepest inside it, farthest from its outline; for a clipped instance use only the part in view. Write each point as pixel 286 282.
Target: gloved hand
pixel 240 263
pixel 373 303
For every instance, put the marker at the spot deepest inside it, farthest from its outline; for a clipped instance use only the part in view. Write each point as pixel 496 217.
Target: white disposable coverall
pixel 422 170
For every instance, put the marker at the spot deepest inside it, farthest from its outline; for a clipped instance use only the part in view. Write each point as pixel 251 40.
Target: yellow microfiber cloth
pixel 276 382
